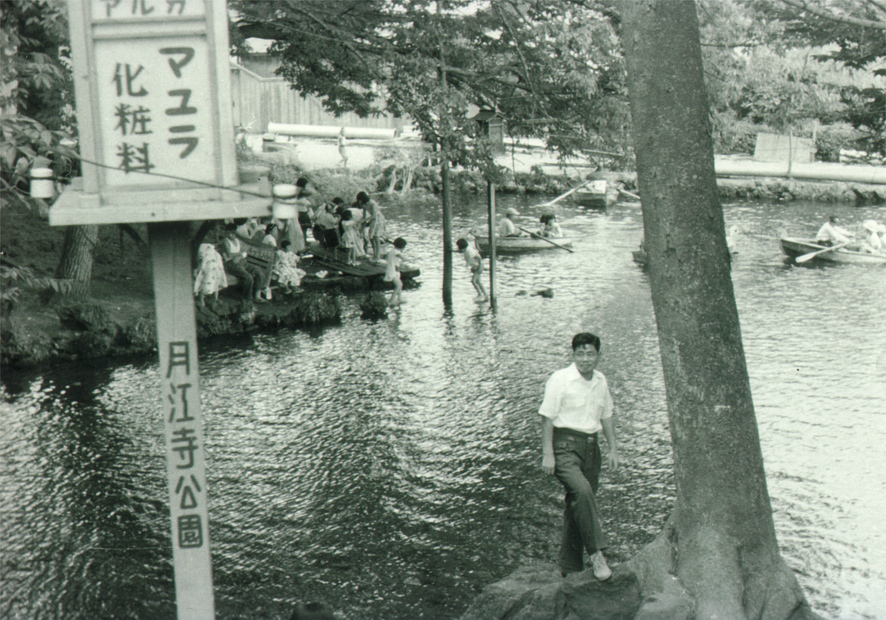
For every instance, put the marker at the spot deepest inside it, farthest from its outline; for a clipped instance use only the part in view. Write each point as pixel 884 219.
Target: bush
pixel 733 136
pixel 838 136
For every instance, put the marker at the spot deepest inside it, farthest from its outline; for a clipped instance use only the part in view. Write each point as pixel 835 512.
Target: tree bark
pixel 720 542
pixel 75 265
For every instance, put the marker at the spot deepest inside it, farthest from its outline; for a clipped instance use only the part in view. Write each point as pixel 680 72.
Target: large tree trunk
pixel 75 265
pixel 720 542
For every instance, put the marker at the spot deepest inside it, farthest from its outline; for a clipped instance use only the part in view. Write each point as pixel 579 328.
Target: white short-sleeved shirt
pixel 571 401
pixel 506 228
pixel 834 234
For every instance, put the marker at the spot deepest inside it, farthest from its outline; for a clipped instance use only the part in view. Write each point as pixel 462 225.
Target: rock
pixel 540 593
pixel 374 306
pixel 547 293
pixel 671 604
pixel 84 317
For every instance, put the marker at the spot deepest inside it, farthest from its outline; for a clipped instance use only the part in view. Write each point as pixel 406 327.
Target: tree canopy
pixel 811 67
pixel 552 69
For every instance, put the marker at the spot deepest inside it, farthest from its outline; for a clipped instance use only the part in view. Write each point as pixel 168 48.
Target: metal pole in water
pixel 490 207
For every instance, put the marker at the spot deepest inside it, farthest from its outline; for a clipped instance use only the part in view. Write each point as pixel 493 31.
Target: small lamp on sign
pixel 284 207
pixel 42 183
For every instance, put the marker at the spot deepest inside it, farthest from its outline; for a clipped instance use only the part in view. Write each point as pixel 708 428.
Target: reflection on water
pixel 391 468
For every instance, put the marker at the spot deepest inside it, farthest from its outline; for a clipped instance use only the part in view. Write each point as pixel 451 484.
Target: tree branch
pixel 801 5
pixel 878 5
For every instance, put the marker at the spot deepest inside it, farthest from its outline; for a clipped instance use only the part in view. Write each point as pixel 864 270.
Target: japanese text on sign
pixel 154 110
pixel 133 9
pixel 184 442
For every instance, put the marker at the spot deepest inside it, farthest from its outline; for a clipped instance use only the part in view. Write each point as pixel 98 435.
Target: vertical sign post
pixel 155 112
pixel 183 420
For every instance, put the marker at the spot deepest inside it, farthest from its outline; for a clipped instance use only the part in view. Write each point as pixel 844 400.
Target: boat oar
pixel 562 196
pixel 807 257
pixel 629 194
pixel 532 234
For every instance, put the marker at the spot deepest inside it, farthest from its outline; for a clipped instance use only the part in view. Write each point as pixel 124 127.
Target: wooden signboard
pixel 154 107
pixel 155 115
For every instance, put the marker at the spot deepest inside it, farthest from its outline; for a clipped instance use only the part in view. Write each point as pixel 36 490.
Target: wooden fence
pixel 261 100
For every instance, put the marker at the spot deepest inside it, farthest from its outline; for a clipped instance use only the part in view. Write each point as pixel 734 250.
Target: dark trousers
pixel 327 237
pixel 578 464
pixel 246 273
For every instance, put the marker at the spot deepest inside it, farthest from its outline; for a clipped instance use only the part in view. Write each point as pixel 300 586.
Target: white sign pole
pixel 152 79
pixel 183 419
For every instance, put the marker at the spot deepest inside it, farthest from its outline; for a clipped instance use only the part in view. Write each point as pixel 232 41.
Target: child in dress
pixel 209 278
pixel 392 273
pixel 373 221
pixel 286 269
pixel 350 235
pixel 475 263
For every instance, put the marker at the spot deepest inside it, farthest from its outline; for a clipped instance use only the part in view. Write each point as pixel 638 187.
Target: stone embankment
pixel 93 330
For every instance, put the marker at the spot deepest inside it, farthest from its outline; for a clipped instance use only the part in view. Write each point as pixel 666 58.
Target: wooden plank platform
pixel 366 267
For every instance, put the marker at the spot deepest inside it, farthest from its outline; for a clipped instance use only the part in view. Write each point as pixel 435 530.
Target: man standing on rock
pixel 577 406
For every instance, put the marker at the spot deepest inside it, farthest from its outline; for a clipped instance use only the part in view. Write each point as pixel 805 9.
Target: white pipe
pixel 332 131
pixel 816 171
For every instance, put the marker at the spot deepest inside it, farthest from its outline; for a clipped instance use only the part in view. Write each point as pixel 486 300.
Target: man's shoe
pixel 601 569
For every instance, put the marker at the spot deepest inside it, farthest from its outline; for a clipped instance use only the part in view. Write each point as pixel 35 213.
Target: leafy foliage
pixel 36 94
pixel 853 31
pixel 842 44
pixel 552 69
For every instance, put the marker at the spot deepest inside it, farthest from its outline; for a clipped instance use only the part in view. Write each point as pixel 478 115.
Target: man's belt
pixel 562 430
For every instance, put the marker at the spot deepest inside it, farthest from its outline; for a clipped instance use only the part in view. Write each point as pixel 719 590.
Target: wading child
pixel 392 273
pixel 475 263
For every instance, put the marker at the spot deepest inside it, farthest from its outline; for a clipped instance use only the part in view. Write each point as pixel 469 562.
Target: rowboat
pixel 795 246
pixel 518 245
pixel 596 195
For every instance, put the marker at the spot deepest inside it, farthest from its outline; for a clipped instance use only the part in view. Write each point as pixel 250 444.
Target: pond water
pixel 391 468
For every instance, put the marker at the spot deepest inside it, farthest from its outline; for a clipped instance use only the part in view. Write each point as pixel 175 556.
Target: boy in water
pixel 475 263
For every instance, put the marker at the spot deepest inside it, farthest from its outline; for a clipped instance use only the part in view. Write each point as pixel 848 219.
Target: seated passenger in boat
pixel 831 234
pixel 507 227
pixel 873 244
pixel 549 226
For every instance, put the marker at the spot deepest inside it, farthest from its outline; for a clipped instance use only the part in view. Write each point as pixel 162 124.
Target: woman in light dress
pixel 286 270
pixel 209 277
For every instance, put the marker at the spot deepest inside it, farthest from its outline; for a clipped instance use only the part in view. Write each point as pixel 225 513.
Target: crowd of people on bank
pixel 357 231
